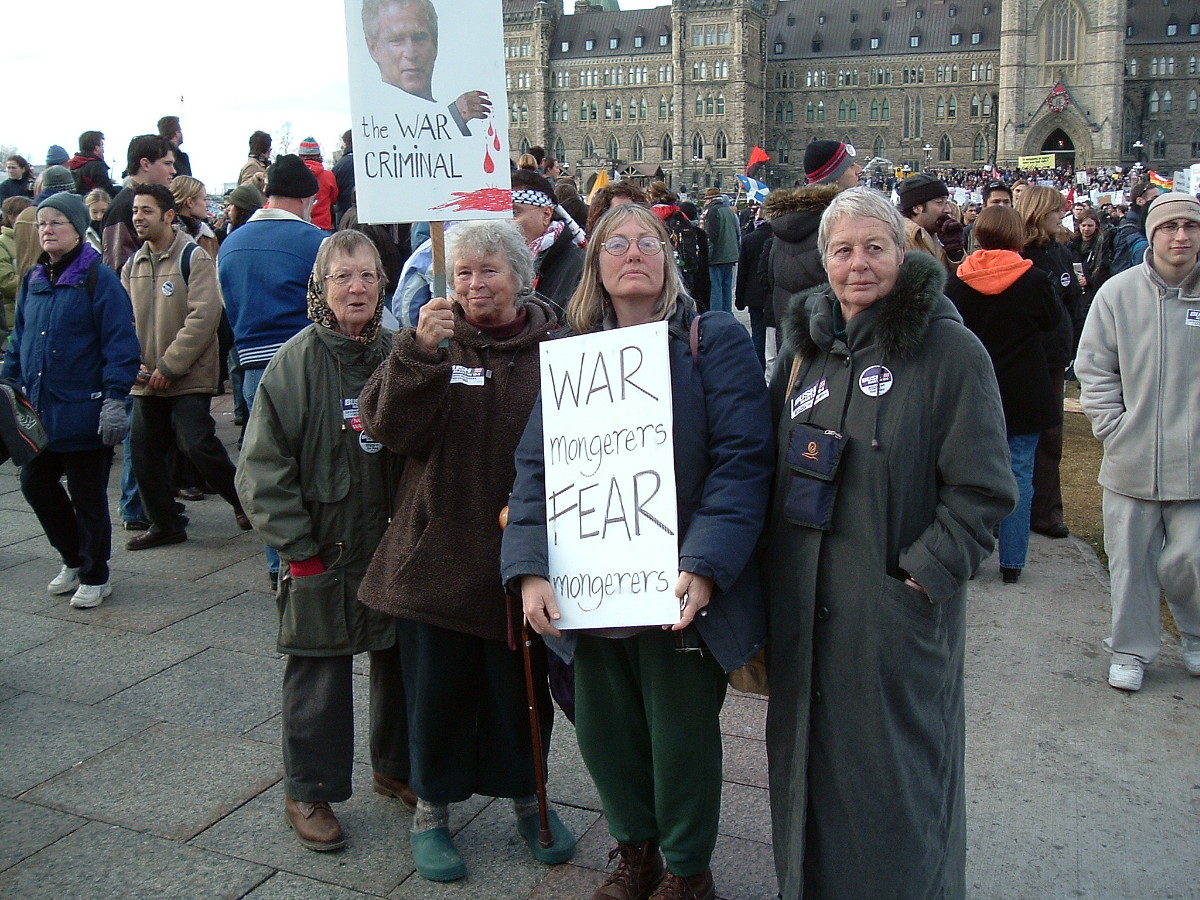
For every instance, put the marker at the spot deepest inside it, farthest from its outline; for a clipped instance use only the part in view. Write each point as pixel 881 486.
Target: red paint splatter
pixel 488 165
pixel 496 142
pixel 491 199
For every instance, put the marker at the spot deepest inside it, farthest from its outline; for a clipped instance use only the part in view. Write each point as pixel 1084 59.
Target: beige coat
pixel 176 321
pixel 917 238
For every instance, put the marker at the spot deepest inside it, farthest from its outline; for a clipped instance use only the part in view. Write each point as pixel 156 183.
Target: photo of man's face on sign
pixel 425 134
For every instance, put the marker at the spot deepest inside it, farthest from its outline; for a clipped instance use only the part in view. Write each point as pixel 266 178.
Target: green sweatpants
pixel 647 719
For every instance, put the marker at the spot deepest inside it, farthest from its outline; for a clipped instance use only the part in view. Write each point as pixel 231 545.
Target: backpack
pixel 1124 247
pixel 686 245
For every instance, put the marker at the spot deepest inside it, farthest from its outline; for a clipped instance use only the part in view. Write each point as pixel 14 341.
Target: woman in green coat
pixel 318 489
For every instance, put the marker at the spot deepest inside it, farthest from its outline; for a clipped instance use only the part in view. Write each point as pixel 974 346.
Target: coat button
pixel 823 613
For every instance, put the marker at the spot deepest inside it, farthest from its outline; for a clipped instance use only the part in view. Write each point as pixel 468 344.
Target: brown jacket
pixel 456 416
pixel 176 320
pixel 917 238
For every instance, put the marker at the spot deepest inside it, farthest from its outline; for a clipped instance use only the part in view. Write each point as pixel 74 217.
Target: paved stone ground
pixel 140 746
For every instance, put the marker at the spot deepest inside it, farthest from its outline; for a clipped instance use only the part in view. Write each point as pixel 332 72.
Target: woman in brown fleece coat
pixel 453 398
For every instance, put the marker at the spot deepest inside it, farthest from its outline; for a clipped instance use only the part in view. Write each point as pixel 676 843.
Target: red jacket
pixel 327 194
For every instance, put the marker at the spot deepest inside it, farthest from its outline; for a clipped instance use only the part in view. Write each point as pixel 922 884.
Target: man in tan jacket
pixel 176 308
pixel 928 223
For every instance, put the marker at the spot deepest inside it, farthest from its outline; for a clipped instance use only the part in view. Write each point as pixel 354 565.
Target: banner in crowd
pixel 607 435
pixel 429 110
pixel 1045 161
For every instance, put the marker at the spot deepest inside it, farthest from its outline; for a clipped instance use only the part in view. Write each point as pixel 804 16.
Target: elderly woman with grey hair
pixel 892 472
pixel 318 489
pixel 453 398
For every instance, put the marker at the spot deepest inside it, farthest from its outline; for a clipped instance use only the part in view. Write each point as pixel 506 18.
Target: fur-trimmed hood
pixel 795 214
pixel 900 324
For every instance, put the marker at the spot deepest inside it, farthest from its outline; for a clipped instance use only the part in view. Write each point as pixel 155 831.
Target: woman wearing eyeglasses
pixel 647 700
pixel 318 489
pixel 453 399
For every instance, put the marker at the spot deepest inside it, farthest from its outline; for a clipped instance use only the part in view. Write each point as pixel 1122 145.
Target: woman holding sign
pixel 648 699
pixel 893 470
pixel 453 398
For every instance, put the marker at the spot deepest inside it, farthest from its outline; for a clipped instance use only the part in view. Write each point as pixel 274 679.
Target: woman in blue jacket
pixel 75 354
pixel 647 715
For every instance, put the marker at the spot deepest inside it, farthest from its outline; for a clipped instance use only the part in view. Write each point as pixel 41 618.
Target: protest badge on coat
pixel 611 521
pixel 429 110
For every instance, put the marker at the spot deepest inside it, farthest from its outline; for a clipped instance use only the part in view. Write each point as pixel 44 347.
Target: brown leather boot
pixel 636 876
pixel 694 887
pixel 390 787
pixel 315 824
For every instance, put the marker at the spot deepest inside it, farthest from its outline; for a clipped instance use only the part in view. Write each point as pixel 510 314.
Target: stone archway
pixel 1065 135
pixel 1060 144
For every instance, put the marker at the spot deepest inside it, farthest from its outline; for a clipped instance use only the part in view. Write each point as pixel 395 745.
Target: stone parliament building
pixel 690 88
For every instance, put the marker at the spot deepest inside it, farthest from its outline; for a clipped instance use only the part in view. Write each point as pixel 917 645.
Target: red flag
pixel 757 156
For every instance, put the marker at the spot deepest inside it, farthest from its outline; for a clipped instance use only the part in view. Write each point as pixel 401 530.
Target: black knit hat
pixel 288 176
pixel 825 161
pixel 918 189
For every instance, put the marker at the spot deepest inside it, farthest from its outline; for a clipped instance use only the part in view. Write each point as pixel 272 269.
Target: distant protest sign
pixel 611 521
pixel 429 110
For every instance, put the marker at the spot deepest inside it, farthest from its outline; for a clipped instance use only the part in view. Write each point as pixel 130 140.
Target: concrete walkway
pixel 139 746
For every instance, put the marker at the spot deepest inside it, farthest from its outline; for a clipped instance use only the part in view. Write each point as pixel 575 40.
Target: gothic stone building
pixel 691 87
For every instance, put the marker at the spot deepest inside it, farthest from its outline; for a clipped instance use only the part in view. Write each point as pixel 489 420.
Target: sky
pixel 235 67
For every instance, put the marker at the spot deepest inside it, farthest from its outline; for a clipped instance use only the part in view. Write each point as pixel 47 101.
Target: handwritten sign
pixel 429 110
pixel 1042 161
pixel 611 521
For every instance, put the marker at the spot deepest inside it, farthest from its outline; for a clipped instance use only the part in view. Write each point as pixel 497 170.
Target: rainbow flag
pixel 1159 182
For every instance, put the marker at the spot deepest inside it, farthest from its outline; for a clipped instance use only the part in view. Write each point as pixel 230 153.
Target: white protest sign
pixel 611 522
pixel 429 110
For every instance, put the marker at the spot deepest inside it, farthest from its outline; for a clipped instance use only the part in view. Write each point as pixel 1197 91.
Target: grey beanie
pixel 1172 205
pixel 71 206
pixel 57 178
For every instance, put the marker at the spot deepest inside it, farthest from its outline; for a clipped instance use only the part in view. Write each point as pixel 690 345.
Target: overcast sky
pixel 225 67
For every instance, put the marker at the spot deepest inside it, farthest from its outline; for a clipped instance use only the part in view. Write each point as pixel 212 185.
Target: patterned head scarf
pixel 320 312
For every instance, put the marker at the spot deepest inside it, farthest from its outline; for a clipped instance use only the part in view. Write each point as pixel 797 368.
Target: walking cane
pixel 545 839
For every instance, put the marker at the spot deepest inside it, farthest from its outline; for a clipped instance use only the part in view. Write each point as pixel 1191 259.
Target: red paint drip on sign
pixel 491 199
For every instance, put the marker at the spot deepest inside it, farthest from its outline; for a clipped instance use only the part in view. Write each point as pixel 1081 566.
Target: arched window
pixel 1158 146
pixel 560 150
pixel 668 147
pixel 820 110
pixel 524 145
pixel 941 107
pixel 722 145
pixel 988 73
pixel 720 104
pixel 709 109
pixel 641 108
pixel 1166 101
pixel 554 111
pixel 979 150
pixel 874 110
pixel 633 108
pixel 614 152
pixel 592 111
pixel 987 104
pixel 699 105
pixel 516 112
pixel 1154 101
pixel 784 151
pixel 841 110
pixel 879 146
pixel 974 105
pixel 944 148
pixel 608 113
pixel 954 73
pixel 885 110
pixel 582 110
pixel 779 111
pixel 617 108
pixel 697 146
pixel 1192 103
pixel 589 147
pixel 1061 32
pixel 853 110
pixel 952 107
pixel 638 151
pixel 1154 65
pixel 662 107
pixel 524 112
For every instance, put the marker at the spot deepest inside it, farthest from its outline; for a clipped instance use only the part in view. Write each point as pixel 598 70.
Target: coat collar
pixel 897 323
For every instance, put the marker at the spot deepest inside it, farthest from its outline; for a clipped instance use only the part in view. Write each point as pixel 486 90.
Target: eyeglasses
pixel 56 223
pixel 619 246
pixel 1188 228
pixel 341 279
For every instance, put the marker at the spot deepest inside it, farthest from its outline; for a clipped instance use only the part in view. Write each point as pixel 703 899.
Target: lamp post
pixel 928 148
pixel 1138 147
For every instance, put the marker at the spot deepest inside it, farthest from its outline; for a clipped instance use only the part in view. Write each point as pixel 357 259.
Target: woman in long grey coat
pixel 867 588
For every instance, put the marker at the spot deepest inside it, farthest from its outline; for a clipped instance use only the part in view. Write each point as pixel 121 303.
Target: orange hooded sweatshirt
pixel 993 272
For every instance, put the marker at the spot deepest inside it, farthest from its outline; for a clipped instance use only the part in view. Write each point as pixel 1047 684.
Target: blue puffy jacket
pixel 73 348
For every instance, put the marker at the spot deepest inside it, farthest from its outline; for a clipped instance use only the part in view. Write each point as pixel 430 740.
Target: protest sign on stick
pixel 429 110
pixel 611 522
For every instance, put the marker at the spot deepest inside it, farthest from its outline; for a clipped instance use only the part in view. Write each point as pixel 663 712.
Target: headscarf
pixel 320 312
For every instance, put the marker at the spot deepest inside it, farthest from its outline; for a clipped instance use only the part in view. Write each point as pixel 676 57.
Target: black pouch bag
pixel 813 455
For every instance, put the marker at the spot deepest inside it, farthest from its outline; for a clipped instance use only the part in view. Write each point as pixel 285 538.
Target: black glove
pixel 950 232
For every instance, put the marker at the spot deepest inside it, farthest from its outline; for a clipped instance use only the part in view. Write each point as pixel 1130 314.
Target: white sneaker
pixel 65 581
pixel 1122 676
pixel 1191 655
pixel 90 595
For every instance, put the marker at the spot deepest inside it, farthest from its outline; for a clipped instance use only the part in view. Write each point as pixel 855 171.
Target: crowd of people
pixel 833 504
